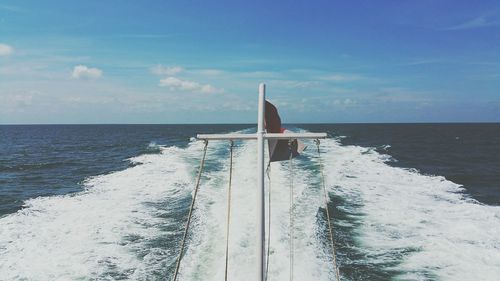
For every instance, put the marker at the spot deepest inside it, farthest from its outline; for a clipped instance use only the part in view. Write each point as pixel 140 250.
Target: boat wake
pixel 121 226
pixel 391 223
pixel 417 227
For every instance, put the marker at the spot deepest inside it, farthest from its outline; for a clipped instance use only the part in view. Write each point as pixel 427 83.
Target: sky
pixel 71 62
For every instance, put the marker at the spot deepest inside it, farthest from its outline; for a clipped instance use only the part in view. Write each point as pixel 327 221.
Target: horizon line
pixel 288 123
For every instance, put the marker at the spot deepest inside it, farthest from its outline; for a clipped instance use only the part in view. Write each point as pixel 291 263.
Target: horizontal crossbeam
pixel 226 136
pixel 288 136
pixel 279 136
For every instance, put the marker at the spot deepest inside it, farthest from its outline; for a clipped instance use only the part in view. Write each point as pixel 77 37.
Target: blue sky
pixel 201 61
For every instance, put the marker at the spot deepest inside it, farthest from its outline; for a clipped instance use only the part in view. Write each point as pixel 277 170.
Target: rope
pixel 330 228
pixel 229 205
pixel 191 211
pixel 268 172
pixel 291 210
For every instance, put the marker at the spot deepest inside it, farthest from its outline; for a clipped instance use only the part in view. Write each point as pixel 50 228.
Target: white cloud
pixel 84 72
pixel 145 35
pixel 342 77
pixel 295 84
pixel 398 94
pixel 210 72
pixel 166 70
pixel 179 84
pixel 11 8
pixel 5 50
pixel 476 23
pixel 17 100
pixel 423 61
pixel 175 83
pixel 261 74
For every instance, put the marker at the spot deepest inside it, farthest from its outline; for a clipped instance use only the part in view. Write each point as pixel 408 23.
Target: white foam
pixel 106 232
pixel 451 236
pixel 98 233
pixel 205 258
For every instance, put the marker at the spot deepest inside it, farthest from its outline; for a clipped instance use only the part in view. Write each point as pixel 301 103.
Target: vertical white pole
pixel 261 235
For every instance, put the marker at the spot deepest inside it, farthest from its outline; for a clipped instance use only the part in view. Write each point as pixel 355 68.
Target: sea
pixel 110 202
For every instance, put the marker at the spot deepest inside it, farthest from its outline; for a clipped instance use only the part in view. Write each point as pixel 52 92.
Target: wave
pixel 419 227
pixel 205 258
pixel 115 229
pixel 34 166
pixel 128 224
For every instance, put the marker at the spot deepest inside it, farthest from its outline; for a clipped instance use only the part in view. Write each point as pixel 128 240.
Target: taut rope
pixel 191 211
pixel 229 205
pixel 268 172
pixel 290 161
pixel 330 228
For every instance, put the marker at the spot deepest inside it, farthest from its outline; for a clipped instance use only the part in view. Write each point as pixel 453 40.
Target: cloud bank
pixel 175 83
pixel 86 73
pixel 166 70
pixel 5 49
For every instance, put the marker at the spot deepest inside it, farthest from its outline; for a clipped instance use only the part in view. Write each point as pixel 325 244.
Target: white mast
pixel 261 232
pixel 260 136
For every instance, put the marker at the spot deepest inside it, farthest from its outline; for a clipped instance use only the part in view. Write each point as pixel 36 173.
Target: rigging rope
pixel 191 211
pixel 268 172
pixel 229 205
pixel 330 228
pixel 290 161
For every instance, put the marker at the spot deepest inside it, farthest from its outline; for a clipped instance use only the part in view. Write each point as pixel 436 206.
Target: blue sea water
pixel 109 202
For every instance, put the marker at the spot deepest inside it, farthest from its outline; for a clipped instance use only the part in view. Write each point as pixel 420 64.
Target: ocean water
pixel 109 202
